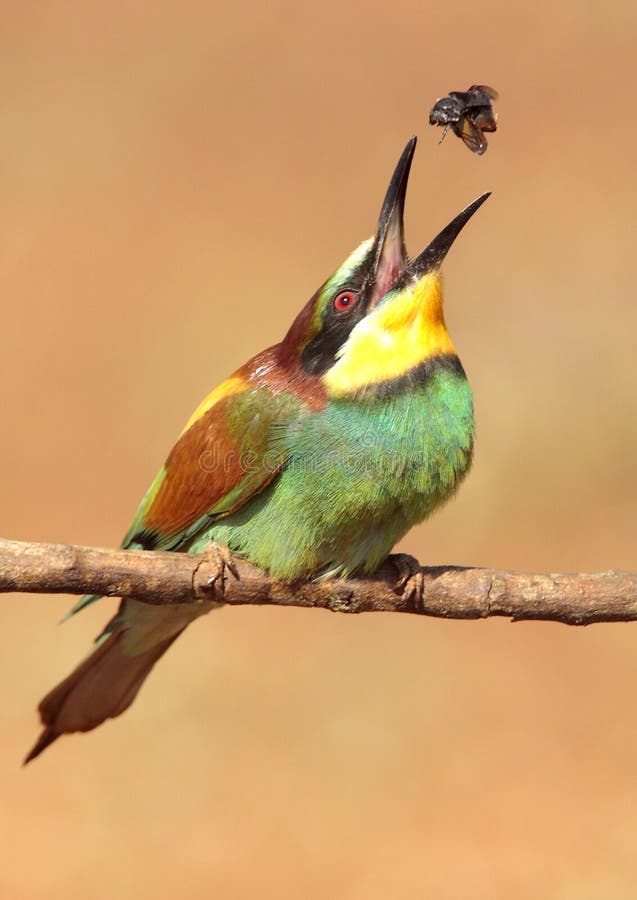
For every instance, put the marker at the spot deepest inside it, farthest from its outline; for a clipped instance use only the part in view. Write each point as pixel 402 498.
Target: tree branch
pixel 451 592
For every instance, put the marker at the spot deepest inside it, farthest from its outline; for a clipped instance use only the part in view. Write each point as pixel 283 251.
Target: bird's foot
pixel 219 559
pixel 411 581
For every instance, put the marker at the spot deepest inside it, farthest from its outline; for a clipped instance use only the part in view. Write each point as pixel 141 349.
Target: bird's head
pixel 380 316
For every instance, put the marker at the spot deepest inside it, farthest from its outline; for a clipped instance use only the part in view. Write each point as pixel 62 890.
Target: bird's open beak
pixel 392 270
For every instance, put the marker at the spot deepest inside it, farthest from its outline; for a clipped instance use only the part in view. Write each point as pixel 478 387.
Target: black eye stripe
pixel 320 353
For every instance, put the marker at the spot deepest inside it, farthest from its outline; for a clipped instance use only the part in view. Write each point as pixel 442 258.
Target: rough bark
pixel 451 592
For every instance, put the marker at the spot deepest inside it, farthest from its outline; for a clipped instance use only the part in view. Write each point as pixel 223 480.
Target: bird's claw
pixel 219 559
pixel 411 581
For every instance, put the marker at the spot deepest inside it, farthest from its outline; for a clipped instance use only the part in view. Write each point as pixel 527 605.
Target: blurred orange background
pixel 175 181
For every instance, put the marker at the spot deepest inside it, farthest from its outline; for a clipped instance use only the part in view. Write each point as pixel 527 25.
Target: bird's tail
pixel 107 681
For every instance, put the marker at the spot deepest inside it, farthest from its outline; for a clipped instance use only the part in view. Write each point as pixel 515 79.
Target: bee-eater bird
pixel 313 459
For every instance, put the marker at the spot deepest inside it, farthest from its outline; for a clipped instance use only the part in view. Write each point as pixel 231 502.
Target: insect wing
pixel 471 135
pixel 484 89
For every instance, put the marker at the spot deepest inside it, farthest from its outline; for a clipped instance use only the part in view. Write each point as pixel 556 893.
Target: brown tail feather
pixel 101 687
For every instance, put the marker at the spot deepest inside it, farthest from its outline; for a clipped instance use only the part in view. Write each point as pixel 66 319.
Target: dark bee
pixel 468 113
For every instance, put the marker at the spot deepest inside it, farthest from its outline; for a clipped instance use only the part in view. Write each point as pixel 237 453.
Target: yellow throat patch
pixel 400 334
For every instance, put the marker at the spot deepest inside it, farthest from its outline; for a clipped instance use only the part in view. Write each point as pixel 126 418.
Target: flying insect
pixel 468 113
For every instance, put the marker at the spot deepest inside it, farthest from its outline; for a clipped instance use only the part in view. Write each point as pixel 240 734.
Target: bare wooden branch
pixel 451 592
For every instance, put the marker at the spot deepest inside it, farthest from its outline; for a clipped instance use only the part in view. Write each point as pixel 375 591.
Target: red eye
pixel 345 300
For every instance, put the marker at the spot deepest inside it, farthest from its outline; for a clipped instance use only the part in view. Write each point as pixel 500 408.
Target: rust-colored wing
pixel 222 459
